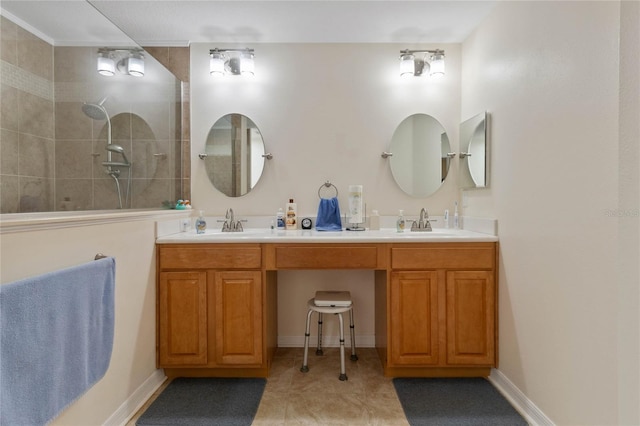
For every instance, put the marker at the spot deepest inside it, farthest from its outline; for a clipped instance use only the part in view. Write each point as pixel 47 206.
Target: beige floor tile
pixel 318 397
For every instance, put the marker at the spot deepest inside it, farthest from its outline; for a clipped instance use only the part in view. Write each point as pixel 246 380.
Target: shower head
pixel 117 149
pixel 96 111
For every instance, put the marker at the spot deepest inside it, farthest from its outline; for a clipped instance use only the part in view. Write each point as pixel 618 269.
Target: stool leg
pixel 354 357
pixel 319 348
pixel 343 370
pixel 305 360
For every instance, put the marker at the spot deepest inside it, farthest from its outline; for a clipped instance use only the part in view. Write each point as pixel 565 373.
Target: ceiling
pixel 181 22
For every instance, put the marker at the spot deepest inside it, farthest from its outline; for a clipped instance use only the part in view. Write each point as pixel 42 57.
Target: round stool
pixel 330 302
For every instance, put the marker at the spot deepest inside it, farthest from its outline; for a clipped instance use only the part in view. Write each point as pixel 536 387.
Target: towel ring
pixel 327 187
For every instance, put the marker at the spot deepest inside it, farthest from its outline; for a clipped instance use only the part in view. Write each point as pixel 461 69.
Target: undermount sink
pixel 436 232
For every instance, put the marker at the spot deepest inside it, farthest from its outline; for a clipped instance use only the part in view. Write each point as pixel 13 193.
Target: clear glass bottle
pixel 400 221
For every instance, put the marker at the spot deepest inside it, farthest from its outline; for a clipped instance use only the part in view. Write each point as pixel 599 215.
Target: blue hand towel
pixel 329 215
pixel 56 340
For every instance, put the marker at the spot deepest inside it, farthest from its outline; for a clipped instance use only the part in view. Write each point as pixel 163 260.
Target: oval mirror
pixel 473 155
pixel 234 155
pixel 420 160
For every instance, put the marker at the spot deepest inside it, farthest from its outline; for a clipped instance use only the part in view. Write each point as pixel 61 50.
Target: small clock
pixel 306 223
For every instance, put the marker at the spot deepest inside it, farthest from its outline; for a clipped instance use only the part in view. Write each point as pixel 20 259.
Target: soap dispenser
pixel 201 224
pixel 400 221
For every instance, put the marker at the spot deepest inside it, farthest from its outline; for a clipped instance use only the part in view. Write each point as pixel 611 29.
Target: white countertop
pixel 260 235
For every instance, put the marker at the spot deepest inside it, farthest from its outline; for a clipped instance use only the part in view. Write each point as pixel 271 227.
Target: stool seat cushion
pixel 327 309
pixel 333 298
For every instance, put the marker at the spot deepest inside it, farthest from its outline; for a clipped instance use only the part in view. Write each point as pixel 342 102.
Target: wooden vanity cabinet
pixel 210 310
pixel 442 309
pixel 435 304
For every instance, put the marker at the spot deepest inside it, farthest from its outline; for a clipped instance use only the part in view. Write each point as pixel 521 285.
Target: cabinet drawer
pixel 210 257
pixel 326 257
pixel 459 256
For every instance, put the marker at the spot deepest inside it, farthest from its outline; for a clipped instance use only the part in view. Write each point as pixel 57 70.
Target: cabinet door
pixel 238 317
pixel 182 312
pixel 470 302
pixel 414 318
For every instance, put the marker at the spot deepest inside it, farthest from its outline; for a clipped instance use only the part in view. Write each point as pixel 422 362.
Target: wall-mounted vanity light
pixel 421 62
pixel 231 62
pixel 126 61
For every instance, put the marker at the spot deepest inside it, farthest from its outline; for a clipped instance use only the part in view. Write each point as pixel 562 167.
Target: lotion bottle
pixel 291 220
pixel 400 221
pixel 446 218
pixel 201 224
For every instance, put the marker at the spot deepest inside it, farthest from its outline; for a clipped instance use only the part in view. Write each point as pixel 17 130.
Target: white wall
pixel 548 73
pixel 26 254
pixel 326 112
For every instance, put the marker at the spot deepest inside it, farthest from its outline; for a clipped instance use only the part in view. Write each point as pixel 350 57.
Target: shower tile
pixel 161 54
pixel 72 123
pixel 140 129
pixel 74 159
pixel 9 196
pixel 74 194
pixel 9 114
pixel 150 193
pixel 9 144
pixel 36 194
pixel 120 127
pixel 36 156
pixel 157 118
pixel 34 54
pixel 179 62
pixel 152 159
pixel 8 41
pixel 72 64
pixel 36 115
pixel 105 194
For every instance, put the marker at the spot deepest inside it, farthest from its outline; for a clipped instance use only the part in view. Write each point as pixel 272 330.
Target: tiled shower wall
pixel 52 153
pixel 27 128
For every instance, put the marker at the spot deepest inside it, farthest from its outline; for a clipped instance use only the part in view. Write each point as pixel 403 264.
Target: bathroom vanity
pixel 435 298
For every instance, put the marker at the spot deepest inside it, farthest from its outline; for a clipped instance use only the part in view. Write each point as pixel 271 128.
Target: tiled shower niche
pixel 51 152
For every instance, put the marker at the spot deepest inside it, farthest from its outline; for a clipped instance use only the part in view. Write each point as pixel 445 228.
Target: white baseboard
pixel 136 400
pixel 328 342
pixel 531 413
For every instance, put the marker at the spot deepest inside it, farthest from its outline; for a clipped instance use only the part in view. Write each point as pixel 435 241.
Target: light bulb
pixel 407 65
pixel 247 64
pixel 135 65
pixel 216 64
pixel 437 64
pixel 106 64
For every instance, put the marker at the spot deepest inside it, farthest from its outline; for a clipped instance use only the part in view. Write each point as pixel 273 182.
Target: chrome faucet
pixel 230 224
pixel 423 224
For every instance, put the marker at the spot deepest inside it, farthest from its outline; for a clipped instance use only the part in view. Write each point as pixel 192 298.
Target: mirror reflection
pixel 76 138
pixel 234 155
pixel 420 160
pixel 473 152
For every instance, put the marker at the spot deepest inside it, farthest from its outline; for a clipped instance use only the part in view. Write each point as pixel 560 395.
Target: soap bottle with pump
pixel 280 219
pixel 201 224
pixel 291 221
pixel 400 221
